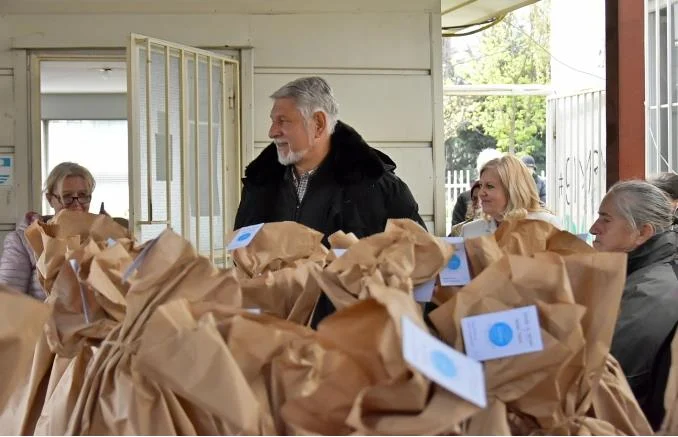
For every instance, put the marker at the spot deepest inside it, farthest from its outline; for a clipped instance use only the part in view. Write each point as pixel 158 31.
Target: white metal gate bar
pixel 660 115
pixel 228 129
pixel 576 163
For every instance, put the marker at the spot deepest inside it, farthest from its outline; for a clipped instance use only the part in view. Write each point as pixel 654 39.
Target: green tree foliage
pixel 511 52
pixel 462 149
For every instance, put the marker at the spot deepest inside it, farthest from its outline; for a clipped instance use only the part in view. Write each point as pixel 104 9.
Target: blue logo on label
pixel 501 334
pixel 5 162
pixel 454 263
pixel 443 364
pixel 245 236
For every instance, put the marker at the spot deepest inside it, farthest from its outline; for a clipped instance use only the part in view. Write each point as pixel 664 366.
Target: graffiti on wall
pixel 586 169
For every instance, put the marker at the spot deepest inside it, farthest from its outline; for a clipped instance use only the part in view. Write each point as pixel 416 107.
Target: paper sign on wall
pixel 6 171
pixel 502 334
pixel 456 272
pixel 440 363
pixel 244 236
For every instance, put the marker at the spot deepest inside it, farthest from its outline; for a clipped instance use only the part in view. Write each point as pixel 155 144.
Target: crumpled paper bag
pixel 551 391
pixel 283 378
pixel 342 240
pixel 514 282
pixel 26 361
pixel 78 318
pixel 64 233
pixel 614 404
pixel 241 346
pixel 279 245
pixel 521 237
pixel 117 399
pixel 290 293
pixel 380 394
pixel 402 256
pixel 670 425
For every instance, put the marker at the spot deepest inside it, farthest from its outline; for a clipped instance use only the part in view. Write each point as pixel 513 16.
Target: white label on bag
pixel 445 366
pixel 339 252
pixel 139 259
pixel 502 334
pixel 456 272
pixel 424 292
pixel 244 236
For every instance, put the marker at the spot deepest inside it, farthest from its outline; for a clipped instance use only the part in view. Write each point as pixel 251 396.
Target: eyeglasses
pixel 69 199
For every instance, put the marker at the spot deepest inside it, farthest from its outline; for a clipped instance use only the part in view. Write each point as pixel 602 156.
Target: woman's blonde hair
pixel 64 170
pixel 519 187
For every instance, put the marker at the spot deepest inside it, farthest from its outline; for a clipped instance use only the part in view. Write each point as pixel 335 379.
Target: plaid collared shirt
pixel 301 182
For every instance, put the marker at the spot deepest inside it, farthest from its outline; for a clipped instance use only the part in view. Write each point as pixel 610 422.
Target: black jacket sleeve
pixel 400 202
pixel 460 207
pixel 243 216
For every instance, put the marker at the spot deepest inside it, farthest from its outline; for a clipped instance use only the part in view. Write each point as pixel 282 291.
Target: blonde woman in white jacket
pixel 507 192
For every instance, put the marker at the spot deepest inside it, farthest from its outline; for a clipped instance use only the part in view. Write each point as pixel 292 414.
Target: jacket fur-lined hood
pixel 350 159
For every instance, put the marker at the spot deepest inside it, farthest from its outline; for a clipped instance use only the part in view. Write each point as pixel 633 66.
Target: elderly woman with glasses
pixel 68 186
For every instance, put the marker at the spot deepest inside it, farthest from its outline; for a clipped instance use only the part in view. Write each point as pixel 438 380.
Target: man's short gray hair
pixel 311 94
pixel 641 203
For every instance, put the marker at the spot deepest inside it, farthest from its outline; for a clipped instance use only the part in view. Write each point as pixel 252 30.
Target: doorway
pixel 159 127
pixel 83 119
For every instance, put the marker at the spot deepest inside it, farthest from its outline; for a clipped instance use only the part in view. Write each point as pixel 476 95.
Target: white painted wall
pixel 383 58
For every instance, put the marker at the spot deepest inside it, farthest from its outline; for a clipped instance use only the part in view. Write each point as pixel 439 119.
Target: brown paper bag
pixel 396 399
pixel 532 380
pixel 26 362
pixel 400 257
pixel 289 293
pixel 173 331
pixel 342 240
pixel 104 276
pixel 614 403
pixel 521 237
pixel 77 317
pixel 279 245
pixel 670 425
pixel 168 269
pixel 65 384
pixel 65 232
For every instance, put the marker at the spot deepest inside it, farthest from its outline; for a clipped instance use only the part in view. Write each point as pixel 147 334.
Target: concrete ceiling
pixel 98 77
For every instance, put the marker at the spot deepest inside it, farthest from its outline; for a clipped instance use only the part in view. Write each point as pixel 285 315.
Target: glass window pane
pixel 86 142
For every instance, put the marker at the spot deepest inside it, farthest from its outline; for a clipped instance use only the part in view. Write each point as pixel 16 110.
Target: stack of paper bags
pixel 264 375
pixel 65 232
pixel 157 340
pixel 115 398
pixel 571 386
pixel 66 249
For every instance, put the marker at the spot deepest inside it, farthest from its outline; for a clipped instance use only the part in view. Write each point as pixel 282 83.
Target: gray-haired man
pixel 321 173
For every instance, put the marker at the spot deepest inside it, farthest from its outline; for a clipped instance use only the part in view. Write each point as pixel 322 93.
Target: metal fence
pixel 575 158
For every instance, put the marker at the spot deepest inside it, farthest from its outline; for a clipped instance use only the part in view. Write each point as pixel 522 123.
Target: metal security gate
pixel 184 142
pixel 576 163
pixel 661 89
